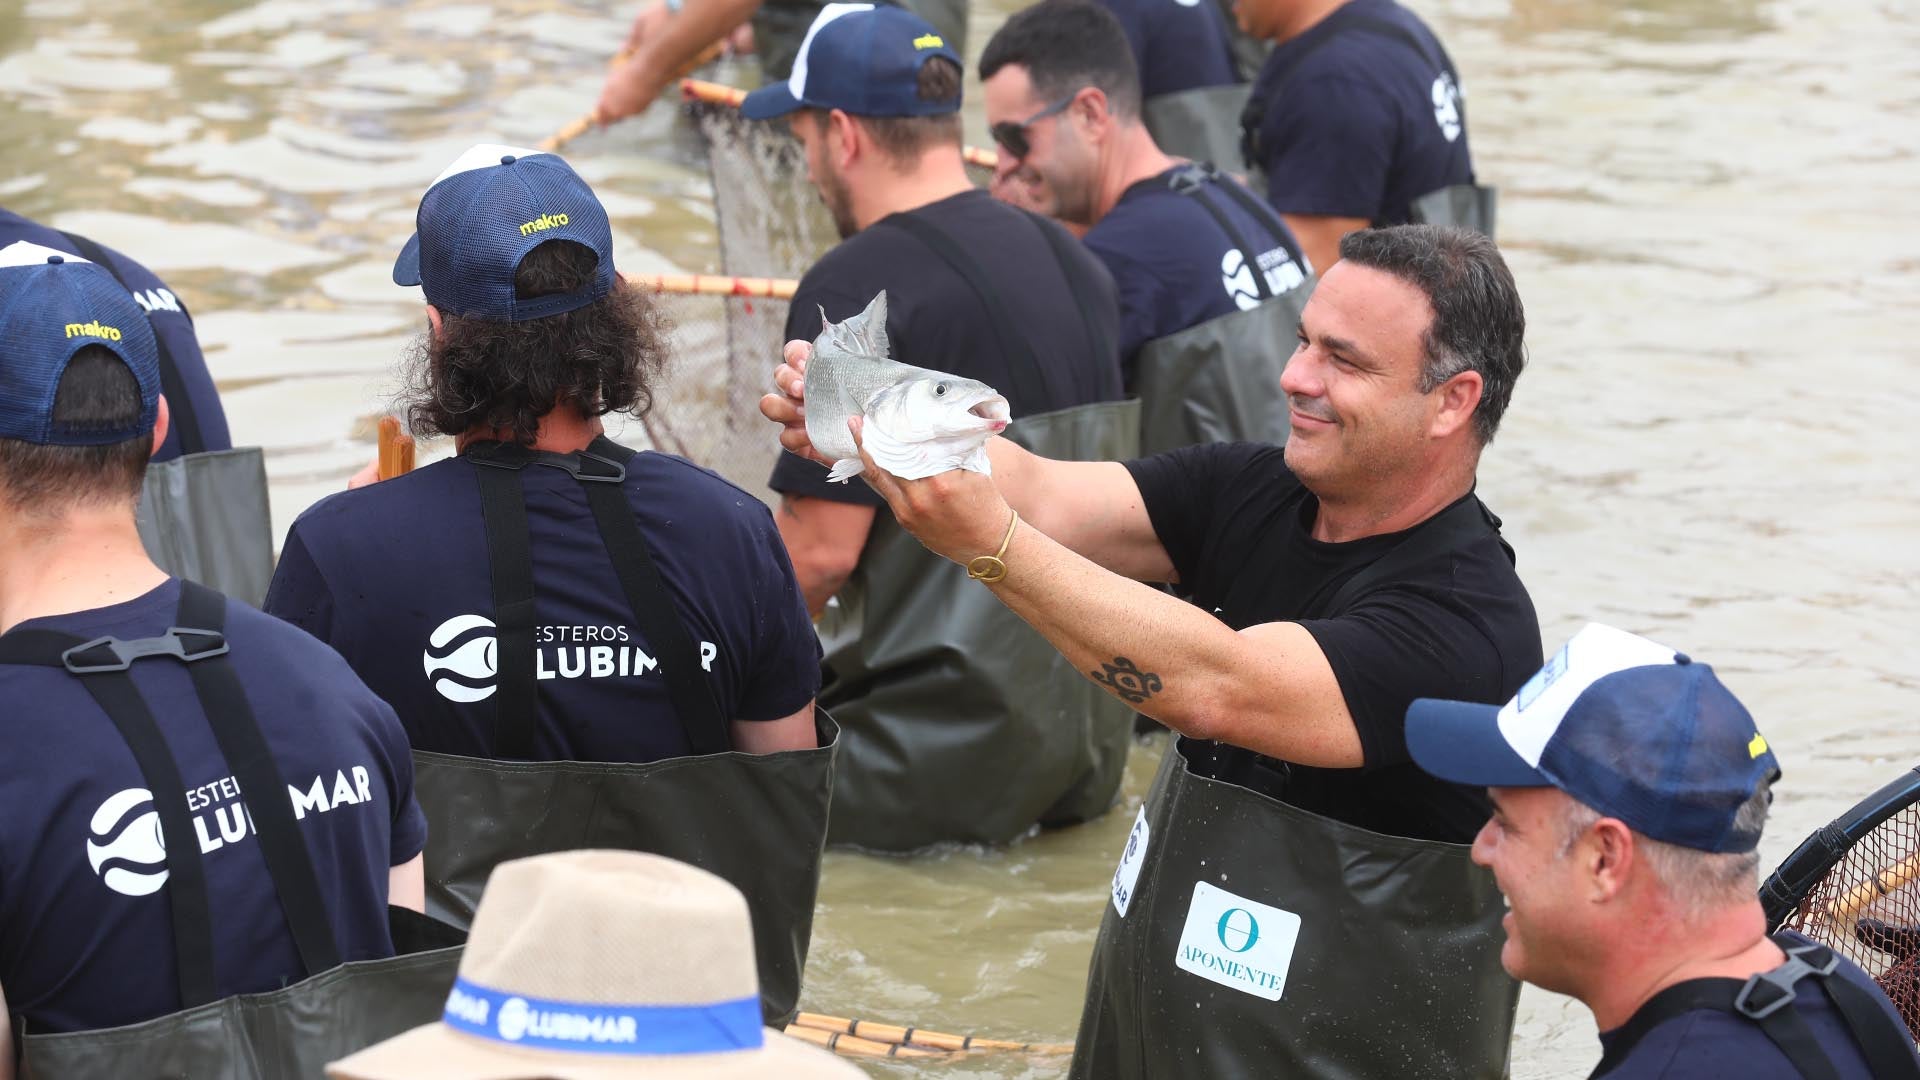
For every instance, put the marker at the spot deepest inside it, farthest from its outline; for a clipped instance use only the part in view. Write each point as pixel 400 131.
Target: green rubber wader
pixel 1219 381
pixel 1467 206
pixel 1395 969
pixel 779 26
pixel 278 1035
pixel 205 517
pixel 758 820
pixel 1202 124
pixel 962 723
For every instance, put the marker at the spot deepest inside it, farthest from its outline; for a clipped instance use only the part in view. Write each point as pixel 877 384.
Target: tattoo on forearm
pixel 1125 678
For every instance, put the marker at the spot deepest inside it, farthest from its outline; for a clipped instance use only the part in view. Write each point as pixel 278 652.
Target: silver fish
pixel 918 422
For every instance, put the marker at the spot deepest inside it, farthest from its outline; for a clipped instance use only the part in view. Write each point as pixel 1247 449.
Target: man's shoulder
pixel 705 494
pixel 419 495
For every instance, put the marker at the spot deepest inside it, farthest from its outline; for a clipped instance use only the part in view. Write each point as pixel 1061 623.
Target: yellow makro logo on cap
pixel 1756 746
pixel 92 329
pixel 928 41
pixel 543 223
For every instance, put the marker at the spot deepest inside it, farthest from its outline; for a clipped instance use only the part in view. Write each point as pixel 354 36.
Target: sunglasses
pixel 1012 137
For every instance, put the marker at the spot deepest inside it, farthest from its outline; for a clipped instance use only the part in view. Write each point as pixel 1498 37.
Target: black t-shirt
pixel 1177 44
pixel 1706 1044
pixel 935 319
pixel 171 324
pixel 1458 625
pixel 1357 122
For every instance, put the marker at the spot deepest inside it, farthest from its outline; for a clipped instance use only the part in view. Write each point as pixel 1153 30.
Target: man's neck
pixel 1400 507
pixel 85 558
pixel 1730 943
pixel 1133 157
pixel 1306 17
pixel 938 174
pixel 562 431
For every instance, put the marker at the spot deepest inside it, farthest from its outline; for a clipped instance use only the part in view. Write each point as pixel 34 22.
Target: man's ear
pixel 1093 112
pixel 162 423
pixel 1609 856
pixel 1458 398
pixel 433 321
pixel 846 141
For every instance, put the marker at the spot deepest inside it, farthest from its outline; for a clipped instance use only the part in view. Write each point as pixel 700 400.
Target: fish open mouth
pixel 993 409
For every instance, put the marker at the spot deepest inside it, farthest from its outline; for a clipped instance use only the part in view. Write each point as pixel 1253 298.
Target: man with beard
pixel 1296 898
pixel 975 288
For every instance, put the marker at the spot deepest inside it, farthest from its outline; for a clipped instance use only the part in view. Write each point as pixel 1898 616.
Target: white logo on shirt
pixel 126 848
pixel 1282 273
pixel 1446 106
pixel 462 656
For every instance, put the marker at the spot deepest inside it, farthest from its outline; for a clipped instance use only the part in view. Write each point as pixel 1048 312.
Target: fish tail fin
pixel 845 469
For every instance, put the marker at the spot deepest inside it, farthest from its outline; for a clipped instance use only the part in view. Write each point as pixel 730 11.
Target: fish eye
pixel 939 389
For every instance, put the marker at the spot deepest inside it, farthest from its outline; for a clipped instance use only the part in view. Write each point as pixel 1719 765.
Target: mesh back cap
pixel 863 59
pixel 481 217
pixel 52 305
pixel 1627 726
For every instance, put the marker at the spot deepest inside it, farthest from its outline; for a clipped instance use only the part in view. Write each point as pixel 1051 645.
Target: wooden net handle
pixel 1898 876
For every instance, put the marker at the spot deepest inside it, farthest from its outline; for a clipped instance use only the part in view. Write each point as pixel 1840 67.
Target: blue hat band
pixel 622 1030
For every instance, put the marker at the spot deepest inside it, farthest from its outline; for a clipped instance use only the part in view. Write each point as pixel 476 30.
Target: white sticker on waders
pixel 1127 874
pixel 1238 942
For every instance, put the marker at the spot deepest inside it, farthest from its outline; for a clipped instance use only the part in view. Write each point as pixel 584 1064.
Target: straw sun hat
pixel 594 964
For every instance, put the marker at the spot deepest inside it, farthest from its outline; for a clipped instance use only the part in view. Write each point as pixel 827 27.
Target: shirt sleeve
pixel 1398 643
pixel 1183 493
pixel 298 593
pixel 409 821
pixel 785 671
pixel 1326 145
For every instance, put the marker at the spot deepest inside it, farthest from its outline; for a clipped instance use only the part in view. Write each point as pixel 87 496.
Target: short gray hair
pixel 1697 881
pixel 1478 323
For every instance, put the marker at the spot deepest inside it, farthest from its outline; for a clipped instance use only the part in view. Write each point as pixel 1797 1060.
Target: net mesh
pixel 771 223
pixel 1867 908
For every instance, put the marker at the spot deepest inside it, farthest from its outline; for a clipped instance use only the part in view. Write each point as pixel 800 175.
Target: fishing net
pixel 1867 906
pixel 771 223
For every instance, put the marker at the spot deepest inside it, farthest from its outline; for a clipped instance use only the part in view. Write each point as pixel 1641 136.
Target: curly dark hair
pixel 481 375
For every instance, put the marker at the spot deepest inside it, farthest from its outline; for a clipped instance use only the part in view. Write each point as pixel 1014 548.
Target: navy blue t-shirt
pixel 174 327
pixel 395 576
pixel 1177 44
pixel 1359 122
pixel 1174 265
pixel 1708 1045
pixel 86 934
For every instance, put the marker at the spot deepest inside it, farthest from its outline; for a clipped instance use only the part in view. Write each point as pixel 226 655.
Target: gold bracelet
pixel 991 568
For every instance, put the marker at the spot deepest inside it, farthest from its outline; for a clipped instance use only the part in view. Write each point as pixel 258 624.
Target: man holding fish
pixel 950 705
pixel 1295 892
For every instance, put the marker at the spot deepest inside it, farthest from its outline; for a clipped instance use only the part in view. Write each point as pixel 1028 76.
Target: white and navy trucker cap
pixel 863 59
pixel 1627 726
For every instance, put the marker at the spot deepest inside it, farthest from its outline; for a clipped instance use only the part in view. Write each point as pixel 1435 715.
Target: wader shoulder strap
pixel 1460 524
pixel 1192 181
pixel 1767 1000
pixel 1029 377
pixel 237 731
pixel 601 471
pixel 1064 250
pixel 180 414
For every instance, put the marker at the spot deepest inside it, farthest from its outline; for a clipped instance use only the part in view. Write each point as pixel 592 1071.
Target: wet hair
pixel 1066 45
pixel 1478 322
pixel 903 138
pixel 482 375
pixel 96 391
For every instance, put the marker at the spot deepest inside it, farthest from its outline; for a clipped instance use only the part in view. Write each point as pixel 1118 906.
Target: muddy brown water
pixel 1708 205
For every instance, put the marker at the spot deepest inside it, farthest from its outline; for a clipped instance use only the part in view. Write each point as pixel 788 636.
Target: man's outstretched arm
pixel 669 44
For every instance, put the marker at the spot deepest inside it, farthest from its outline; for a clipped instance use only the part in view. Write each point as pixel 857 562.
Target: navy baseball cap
pixel 483 214
pixel 863 59
pixel 52 305
pixel 1627 726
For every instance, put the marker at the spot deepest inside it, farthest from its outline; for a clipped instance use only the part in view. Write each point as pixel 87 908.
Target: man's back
pixel 396 577
pixel 936 320
pixel 1359 116
pixel 189 386
pixel 1178 45
pixel 86 939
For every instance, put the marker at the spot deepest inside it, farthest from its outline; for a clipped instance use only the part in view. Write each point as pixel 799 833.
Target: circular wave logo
pixel 125 846
pixel 1237 277
pixel 1446 106
pixel 462 658
pixel 512 1020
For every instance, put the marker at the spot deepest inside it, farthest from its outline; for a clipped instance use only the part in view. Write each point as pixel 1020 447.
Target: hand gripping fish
pixel 918 422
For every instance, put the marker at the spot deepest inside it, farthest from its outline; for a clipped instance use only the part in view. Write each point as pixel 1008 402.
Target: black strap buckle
pixel 1768 992
pixel 182 643
pixel 583 465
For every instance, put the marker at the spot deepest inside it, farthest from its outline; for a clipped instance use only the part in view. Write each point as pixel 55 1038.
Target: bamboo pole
pixel 717 285
pixel 714 93
pixel 914 1036
pixel 854 1046
pixel 396 449
pixel 584 124
pixel 1848 907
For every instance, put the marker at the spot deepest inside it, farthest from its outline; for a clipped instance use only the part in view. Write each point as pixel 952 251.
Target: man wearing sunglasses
pixel 947 706
pixel 1209 277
